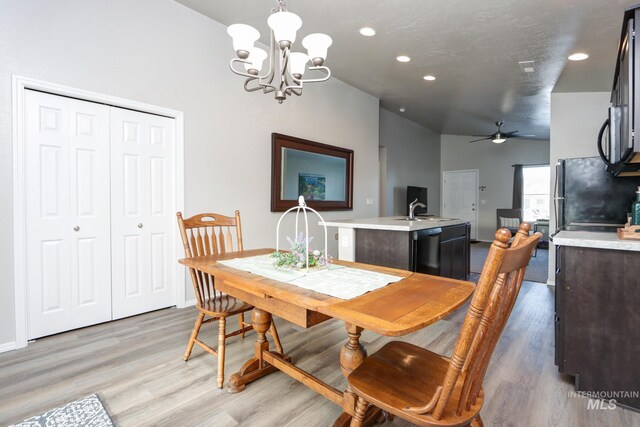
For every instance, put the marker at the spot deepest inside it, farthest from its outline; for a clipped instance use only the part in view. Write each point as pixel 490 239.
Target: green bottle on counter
pixel 635 209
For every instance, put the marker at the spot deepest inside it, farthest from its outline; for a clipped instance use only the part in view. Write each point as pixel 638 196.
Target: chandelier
pixel 291 65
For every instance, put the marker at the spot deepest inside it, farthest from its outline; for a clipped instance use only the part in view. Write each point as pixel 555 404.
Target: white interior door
pixel 460 197
pixel 67 214
pixel 141 224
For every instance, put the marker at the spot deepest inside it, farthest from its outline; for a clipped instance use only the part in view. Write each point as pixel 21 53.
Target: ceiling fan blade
pixel 510 134
pixel 482 136
pixel 481 139
pixel 522 136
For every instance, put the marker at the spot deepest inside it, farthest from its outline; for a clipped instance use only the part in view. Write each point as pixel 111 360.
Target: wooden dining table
pixel 412 303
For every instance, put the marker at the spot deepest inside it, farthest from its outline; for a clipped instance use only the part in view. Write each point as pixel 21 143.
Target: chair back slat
pixel 212 241
pixel 492 302
pixel 229 243
pixel 199 241
pixel 200 238
pixel 221 243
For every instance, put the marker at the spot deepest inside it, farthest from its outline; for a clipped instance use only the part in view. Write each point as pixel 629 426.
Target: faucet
pixel 412 207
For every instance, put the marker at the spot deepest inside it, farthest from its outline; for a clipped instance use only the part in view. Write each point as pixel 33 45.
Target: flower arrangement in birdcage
pixel 300 255
pixel 295 258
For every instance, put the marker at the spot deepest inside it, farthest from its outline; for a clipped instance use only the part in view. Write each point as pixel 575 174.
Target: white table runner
pixel 337 280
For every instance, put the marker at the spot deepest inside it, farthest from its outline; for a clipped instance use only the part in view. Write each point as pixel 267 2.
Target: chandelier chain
pixel 281 6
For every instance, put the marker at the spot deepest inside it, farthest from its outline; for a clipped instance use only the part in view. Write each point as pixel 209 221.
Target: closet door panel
pixel 90 212
pixel 141 149
pixel 68 242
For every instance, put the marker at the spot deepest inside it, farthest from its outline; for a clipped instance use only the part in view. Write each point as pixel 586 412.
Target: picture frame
pixel 295 159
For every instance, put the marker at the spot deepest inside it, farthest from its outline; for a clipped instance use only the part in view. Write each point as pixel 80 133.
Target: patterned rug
pixel 86 412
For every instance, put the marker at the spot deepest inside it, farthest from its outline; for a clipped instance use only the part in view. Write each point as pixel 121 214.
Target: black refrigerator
pixel 588 198
pixel 597 292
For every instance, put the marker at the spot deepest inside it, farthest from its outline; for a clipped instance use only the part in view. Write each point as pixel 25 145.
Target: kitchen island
pixel 430 245
pixel 597 296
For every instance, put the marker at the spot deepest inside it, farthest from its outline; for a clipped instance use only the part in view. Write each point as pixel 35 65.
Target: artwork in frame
pixel 292 157
pixel 312 187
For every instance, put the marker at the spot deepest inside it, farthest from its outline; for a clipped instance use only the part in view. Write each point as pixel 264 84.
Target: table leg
pixel 351 356
pixel 255 367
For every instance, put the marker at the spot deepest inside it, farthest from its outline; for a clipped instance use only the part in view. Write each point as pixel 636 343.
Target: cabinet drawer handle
pixel 76 228
pixel 140 225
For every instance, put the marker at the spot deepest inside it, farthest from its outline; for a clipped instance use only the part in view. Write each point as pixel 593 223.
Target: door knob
pixel 140 225
pixel 76 228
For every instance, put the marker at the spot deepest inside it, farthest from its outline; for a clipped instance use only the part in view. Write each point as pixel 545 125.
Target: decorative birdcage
pixel 299 257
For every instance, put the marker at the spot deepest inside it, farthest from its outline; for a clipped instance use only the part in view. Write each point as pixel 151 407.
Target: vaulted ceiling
pixel 472 47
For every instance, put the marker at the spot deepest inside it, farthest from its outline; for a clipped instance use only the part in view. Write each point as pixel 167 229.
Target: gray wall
pixel 162 53
pixel 413 158
pixel 493 162
pixel 575 121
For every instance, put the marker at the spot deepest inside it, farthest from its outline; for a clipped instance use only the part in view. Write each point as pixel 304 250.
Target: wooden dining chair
pixel 211 234
pixel 428 389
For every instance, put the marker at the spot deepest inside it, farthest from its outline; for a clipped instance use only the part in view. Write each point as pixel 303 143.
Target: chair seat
pixel 223 306
pixel 403 375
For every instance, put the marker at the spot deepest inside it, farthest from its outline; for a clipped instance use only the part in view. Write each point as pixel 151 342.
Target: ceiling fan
pixel 499 137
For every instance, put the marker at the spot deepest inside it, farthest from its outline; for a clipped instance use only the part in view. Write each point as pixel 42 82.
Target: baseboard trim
pixel 551 282
pixel 8 346
pixel 189 303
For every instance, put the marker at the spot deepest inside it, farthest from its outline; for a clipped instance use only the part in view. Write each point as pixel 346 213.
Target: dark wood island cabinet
pixel 597 305
pixel 441 251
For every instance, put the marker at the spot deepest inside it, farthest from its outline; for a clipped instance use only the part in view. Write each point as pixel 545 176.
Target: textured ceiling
pixel 472 47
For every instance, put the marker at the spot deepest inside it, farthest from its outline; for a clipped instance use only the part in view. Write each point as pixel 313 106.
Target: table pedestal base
pixel 265 362
pixel 372 417
pixel 249 372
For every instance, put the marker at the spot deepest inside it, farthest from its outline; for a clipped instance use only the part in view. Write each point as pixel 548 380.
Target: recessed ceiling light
pixel 578 56
pixel 402 109
pixel 403 58
pixel 367 31
pixel 429 78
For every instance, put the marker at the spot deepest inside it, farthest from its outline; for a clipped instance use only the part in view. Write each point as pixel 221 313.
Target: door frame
pixel 477 172
pixel 19 85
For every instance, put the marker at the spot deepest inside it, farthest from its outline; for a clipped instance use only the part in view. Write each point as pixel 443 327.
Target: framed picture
pixel 322 173
pixel 311 186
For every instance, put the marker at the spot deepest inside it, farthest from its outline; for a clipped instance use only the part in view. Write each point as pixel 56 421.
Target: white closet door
pixel 68 242
pixel 142 225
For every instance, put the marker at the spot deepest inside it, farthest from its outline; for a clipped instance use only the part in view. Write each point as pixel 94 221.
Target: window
pixel 536 187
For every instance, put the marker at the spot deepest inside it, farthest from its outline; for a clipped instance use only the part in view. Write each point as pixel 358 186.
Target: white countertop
pixel 594 239
pixel 395 223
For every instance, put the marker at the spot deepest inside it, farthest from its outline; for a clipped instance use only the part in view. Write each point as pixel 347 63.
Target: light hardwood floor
pixel 136 367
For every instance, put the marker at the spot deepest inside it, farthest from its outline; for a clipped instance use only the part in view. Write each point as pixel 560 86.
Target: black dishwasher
pixel 425 251
pixel 441 251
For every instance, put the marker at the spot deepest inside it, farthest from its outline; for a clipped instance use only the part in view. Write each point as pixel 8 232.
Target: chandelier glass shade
pixel 286 68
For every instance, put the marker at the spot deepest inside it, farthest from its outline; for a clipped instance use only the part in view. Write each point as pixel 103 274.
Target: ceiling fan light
pixel 244 36
pixel 499 139
pixel 578 56
pixel 297 63
pixel 284 26
pixel 256 58
pixel 317 45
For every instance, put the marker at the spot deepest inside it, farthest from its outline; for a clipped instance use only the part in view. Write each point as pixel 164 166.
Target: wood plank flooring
pixel 136 367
